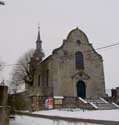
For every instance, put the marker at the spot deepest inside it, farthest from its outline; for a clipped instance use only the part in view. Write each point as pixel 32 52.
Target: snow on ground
pixel 27 120
pixel 109 115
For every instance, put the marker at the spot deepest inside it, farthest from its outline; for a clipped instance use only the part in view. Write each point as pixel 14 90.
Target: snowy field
pixel 109 115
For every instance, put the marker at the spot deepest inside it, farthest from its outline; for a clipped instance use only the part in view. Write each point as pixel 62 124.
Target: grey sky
pixel 99 19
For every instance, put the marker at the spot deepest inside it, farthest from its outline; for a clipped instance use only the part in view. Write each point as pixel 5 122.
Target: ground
pixel 108 115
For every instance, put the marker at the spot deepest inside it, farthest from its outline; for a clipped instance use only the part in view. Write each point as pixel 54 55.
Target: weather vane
pixel 38 25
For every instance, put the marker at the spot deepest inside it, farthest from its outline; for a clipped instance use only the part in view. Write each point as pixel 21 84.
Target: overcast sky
pixel 99 19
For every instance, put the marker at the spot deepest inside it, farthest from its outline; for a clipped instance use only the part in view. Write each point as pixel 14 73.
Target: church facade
pixel 74 69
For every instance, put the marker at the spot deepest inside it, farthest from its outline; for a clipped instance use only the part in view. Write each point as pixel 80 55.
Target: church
pixel 74 69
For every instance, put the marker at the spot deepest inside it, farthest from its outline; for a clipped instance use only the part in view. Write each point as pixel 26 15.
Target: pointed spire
pixel 38 54
pixel 38 38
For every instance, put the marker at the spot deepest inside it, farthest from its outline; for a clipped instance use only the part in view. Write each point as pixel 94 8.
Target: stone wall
pixel 70 102
pixel 4 112
pixel 4 115
pixel 19 101
pixel 3 95
pixel 39 103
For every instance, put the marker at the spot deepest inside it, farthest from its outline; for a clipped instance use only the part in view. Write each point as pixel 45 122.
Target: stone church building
pixel 74 69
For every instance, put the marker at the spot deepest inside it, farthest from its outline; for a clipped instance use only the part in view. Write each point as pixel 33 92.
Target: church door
pixel 81 89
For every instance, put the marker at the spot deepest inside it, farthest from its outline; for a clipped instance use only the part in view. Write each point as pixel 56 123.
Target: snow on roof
pixel 84 101
pixel 58 97
pixel 93 105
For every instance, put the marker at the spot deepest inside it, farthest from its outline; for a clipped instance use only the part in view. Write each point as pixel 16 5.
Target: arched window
pixel 79 60
pixel 39 80
pixel 47 77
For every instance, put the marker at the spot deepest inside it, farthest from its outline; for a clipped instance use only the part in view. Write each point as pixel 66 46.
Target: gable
pixel 76 41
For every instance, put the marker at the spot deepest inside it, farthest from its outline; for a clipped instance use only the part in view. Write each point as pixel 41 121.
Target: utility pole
pixel 2 3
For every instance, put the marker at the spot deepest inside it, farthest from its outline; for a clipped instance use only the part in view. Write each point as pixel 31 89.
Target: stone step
pixel 102 104
pixel 106 106
pixel 96 101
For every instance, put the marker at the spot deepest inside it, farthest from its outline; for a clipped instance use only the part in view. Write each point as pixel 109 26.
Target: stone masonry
pixel 4 112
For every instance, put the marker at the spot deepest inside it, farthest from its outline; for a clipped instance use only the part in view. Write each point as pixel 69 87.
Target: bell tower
pixel 38 54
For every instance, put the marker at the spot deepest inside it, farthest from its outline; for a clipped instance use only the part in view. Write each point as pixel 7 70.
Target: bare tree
pixel 1 72
pixel 21 73
pixel 1 65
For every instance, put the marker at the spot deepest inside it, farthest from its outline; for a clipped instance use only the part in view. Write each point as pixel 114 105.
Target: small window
pixel 65 53
pixel 39 80
pixel 79 60
pixel 78 42
pixel 47 77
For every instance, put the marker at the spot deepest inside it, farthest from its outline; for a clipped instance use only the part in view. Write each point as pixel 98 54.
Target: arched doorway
pixel 81 89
